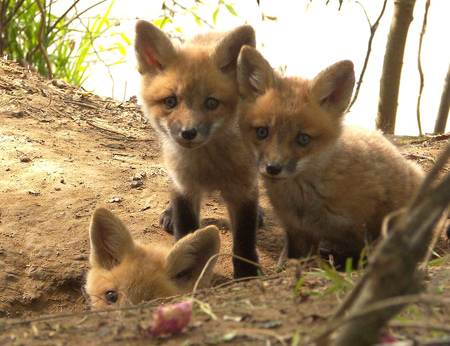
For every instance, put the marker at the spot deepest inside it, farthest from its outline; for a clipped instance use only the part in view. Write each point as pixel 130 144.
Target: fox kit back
pixel 327 182
pixel 190 95
pixel 125 272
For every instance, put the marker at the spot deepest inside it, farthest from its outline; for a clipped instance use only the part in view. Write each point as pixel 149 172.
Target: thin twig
pixel 421 325
pixel 373 29
pixel 431 177
pixel 185 9
pixel 41 44
pixel 441 228
pixel 419 65
pixel 255 331
pixel 213 258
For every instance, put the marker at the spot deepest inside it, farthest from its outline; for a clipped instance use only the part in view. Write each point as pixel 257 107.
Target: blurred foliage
pixel 171 9
pixel 60 41
pixel 66 39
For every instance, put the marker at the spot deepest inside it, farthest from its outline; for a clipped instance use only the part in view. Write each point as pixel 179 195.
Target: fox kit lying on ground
pixel 327 182
pixel 190 95
pixel 125 272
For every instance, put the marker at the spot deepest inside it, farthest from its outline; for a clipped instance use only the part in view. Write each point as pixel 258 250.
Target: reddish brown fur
pixel 215 158
pixel 336 189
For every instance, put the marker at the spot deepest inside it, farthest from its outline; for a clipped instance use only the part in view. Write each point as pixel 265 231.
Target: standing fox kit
pixel 327 182
pixel 125 272
pixel 190 95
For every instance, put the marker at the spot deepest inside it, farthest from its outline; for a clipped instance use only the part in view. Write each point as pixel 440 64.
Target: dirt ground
pixel 63 152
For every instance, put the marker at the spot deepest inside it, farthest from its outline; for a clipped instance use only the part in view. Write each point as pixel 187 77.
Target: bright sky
pixel 308 37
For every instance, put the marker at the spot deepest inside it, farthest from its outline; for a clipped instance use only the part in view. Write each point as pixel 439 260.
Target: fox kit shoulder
pixel 326 181
pixel 126 272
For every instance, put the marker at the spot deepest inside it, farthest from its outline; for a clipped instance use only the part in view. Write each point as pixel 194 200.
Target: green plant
pixel 53 44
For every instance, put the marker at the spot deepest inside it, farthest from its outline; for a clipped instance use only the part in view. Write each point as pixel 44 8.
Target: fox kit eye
pixel 303 139
pixel 211 103
pixel 170 102
pixel 111 297
pixel 262 132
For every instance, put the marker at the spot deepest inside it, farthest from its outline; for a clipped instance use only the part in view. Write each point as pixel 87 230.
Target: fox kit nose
pixel 189 133
pixel 274 168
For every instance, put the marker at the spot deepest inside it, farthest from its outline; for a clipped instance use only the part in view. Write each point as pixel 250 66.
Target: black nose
pixel 274 168
pixel 189 133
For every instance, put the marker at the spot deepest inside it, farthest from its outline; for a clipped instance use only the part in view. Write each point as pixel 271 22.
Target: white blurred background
pixel 304 37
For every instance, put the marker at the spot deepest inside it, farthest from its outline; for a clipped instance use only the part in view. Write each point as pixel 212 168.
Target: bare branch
pixel 419 64
pixel 373 29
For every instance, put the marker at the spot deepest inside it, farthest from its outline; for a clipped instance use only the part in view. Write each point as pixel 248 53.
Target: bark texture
pixel 444 106
pixel 392 65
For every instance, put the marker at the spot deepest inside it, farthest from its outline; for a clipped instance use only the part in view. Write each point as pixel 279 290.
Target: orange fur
pixel 125 272
pixel 327 182
pixel 202 145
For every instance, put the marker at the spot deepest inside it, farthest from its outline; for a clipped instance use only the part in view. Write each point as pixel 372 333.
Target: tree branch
pixel 373 29
pixel 419 64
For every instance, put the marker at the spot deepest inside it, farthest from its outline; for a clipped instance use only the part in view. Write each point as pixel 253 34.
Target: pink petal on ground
pixel 171 318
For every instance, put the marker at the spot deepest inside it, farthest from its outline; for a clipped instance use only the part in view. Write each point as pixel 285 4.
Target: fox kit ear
pixel 110 239
pixel 333 87
pixel 153 48
pixel 254 73
pixel 189 255
pixel 228 48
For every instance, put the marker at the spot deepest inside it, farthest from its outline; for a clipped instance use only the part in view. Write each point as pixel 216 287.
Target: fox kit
pixel 125 272
pixel 327 182
pixel 190 95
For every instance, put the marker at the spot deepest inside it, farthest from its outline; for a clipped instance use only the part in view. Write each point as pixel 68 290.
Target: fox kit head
pixel 290 121
pixel 190 92
pixel 124 272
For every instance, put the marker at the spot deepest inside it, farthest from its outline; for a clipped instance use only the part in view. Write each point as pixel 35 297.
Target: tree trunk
pixel 444 106
pixel 392 65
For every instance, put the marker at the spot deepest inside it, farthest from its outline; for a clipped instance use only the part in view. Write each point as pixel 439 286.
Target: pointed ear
pixel 110 239
pixel 333 87
pixel 189 255
pixel 254 73
pixel 227 50
pixel 154 50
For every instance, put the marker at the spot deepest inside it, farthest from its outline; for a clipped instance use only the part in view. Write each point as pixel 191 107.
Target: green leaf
pixel 197 20
pixel 231 10
pixel 299 284
pixel 121 48
pixel 125 38
pixel 214 16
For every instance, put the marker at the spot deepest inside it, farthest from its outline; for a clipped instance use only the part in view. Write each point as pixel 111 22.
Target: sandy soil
pixel 64 151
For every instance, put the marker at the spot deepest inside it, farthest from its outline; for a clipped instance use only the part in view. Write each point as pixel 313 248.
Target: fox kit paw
pixel 166 219
pixel 243 269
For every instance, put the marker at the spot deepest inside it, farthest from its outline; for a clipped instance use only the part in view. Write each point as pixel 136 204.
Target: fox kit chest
pixel 218 165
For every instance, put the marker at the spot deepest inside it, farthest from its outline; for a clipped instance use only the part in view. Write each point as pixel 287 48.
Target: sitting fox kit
pixel 190 95
pixel 125 272
pixel 327 182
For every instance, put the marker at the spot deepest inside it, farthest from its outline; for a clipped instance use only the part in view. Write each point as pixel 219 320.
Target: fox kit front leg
pixel 184 213
pixel 298 244
pixel 244 216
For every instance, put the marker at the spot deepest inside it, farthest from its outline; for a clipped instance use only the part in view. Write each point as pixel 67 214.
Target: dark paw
pixel 243 269
pixel 339 255
pixel 261 217
pixel 166 219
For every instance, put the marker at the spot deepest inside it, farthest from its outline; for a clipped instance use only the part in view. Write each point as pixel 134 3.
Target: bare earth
pixel 63 152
